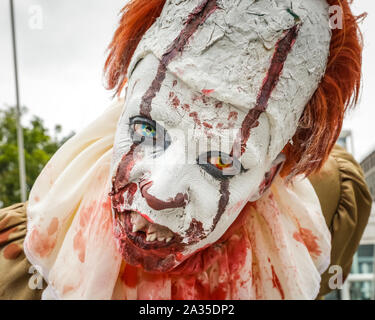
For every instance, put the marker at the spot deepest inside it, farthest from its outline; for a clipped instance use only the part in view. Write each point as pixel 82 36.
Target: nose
pixel 179 201
pixel 165 182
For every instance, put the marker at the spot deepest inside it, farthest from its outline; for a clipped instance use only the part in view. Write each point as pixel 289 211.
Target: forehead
pixel 176 101
pixel 229 54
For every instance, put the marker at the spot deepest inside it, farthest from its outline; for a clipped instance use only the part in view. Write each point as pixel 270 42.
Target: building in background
pixel 360 284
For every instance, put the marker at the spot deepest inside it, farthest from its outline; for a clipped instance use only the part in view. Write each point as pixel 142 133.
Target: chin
pixel 145 244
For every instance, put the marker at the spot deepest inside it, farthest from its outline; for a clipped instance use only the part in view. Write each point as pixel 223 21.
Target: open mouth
pixel 145 234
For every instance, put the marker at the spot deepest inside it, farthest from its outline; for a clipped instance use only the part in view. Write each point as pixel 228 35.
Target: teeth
pixel 153 231
pixel 151 237
pixel 152 228
pixel 138 222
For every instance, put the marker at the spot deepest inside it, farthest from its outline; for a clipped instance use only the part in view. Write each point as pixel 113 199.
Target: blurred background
pixel 61 49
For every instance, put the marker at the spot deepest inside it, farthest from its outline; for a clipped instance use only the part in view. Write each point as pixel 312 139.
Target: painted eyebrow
pixel 296 17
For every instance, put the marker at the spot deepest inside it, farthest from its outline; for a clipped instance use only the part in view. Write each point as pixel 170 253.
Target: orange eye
pixel 221 163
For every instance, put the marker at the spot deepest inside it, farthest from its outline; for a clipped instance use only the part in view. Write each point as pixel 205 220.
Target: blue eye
pixel 145 130
pixel 148 133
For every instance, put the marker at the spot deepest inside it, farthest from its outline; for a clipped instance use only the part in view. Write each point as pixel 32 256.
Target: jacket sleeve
pixel 346 204
pixel 16 273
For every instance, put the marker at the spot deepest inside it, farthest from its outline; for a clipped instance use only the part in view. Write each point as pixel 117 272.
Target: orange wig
pixel 322 119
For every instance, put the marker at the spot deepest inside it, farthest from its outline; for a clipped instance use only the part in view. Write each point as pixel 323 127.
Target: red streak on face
pixel 207 125
pixel 195 117
pixel 251 121
pixel 207 92
pixel 233 115
pixel 179 201
pixel 196 18
pixel 306 237
pixel 195 231
pixel 127 163
pixel 223 202
pixel 175 102
pixel 186 107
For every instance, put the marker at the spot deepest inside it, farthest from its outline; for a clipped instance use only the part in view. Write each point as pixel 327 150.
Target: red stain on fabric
pixel 79 245
pixel 4 236
pixel 276 282
pixel 52 228
pixel 4 223
pixel 67 289
pixel 306 237
pixel 42 244
pixel 107 205
pixel 130 276
pixel 183 288
pixel 12 251
pixel 219 293
pixel 237 252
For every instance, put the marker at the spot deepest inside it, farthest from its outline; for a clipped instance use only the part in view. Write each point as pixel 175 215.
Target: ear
pixel 277 165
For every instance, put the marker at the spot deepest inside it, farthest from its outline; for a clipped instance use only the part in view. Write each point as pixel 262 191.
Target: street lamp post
pixel 20 142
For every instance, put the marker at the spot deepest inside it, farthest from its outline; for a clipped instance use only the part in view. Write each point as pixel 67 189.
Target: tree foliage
pixel 39 148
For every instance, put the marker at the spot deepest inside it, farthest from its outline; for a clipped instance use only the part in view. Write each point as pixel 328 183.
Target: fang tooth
pixel 161 239
pixel 169 239
pixel 152 237
pixel 152 228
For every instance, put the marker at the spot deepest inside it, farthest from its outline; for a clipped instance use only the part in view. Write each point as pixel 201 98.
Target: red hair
pixel 321 121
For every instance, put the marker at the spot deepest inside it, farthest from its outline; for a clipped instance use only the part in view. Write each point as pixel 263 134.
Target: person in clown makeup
pixel 216 176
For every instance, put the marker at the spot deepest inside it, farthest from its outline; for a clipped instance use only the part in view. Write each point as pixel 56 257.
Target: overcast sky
pixel 61 59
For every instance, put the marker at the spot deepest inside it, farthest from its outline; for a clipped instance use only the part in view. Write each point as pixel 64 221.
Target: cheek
pixel 242 190
pixel 122 144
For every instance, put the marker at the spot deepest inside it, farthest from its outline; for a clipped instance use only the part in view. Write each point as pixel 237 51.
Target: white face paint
pixel 180 176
